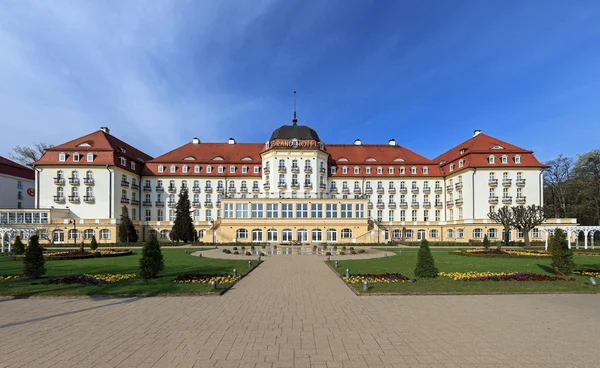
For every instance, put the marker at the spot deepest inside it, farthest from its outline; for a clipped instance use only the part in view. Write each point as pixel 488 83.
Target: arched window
pixel 241 234
pixel 346 233
pixel 201 234
pixel 58 236
pixel 257 235
pixel 272 235
pixel 73 234
pixel 88 234
pixel 104 234
pixel 408 234
pixel 492 233
pixel 164 234
pixel 317 235
pixel 477 233
pixel 450 234
pixel 396 233
pixel 331 235
pixel 286 235
pixel 196 198
pixel 302 235
pixel 42 234
pixel 420 234
pixel 433 234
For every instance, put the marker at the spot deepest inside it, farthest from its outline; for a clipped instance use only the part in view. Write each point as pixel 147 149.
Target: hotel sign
pixel 293 143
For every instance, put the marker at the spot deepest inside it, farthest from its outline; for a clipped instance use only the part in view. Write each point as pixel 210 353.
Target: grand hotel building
pixel 293 188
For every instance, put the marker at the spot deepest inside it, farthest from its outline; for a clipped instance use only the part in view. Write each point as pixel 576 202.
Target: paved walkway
pixel 294 312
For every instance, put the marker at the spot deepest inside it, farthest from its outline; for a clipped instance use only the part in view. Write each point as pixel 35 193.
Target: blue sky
pixel 426 73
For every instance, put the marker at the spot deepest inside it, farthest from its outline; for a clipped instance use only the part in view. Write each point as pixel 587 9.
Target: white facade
pixel 16 192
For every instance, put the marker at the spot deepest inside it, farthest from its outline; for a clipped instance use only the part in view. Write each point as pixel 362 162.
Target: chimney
pixel 195 140
pixel 105 130
pixel 392 142
pixel 231 141
pixel 476 133
pixel 357 142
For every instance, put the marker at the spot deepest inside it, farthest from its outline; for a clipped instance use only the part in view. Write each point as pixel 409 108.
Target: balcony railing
pixel 74 181
pixel 458 185
pixel 380 190
pixel 135 202
pixel 439 204
pixel 208 204
pixel 449 187
pixel 59 181
pixel 322 187
pixel 295 186
pixel 506 182
pixel 135 186
pixel 124 183
pixel 414 190
pixel 493 199
pixel 392 190
pixel 506 199
pixel 59 199
pixel 244 190
pixel 322 170
pixel 520 199
pixel 282 169
pixel 426 204
pixel 307 186
pixel 459 201
pixel 125 200
pixel 89 199
pixel 172 189
pixel 403 204
pixel 370 205
pixel 414 204
pixel 255 189
pixel 266 170
pixel 74 198
pixel 89 181
pixel 160 189
pixel 380 205
pixel 281 186
pixel 220 189
pixel 172 203
pixel 267 186
pixel 196 189
pixel 520 182
pixel 356 190
pixel 403 190
pixel 438 190
pixel 333 190
pixel 426 190
pixel 208 189
pixel 368 190
pixel 308 169
pixel 295 169
pixel 449 203
pixel 493 182
pixel 160 203
pixel 391 205
pixel 147 188
pixel 346 190
pixel 196 204
pixel 147 204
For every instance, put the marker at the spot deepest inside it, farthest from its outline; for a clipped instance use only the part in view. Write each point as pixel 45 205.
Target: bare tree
pixel 527 218
pixel 28 155
pixel 503 216
pixel 556 177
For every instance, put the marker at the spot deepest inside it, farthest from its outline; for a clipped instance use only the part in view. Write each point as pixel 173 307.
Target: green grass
pixel 405 263
pixel 177 262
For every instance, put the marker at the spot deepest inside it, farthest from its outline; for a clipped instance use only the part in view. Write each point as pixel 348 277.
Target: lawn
pixel 177 262
pixel 405 262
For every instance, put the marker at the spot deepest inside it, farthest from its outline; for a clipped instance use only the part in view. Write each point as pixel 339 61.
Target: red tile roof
pixel 11 168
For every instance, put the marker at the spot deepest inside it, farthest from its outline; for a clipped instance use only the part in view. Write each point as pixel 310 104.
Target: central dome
pixel 295 131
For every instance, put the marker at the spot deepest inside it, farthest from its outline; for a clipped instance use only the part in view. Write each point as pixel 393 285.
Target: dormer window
pixel 244 169
pixel 332 170
pixel 402 170
pixel 220 169
pixel 413 170
pixel 390 170
pixel 451 167
pixel 161 168
pixel 379 170
pixel 517 159
pixel 197 169
pixel 256 169
pixel 356 170
pixel 209 169
pixel 62 157
pixel 76 157
pixel 504 159
pixel 132 165
pixel 491 159
pixel 123 161
pixel 462 151
pixel 232 169
pixel 173 168
pixel 368 170
pixel 461 163
pixel 184 169
pixel 344 170
pixel 90 157
pixel 425 170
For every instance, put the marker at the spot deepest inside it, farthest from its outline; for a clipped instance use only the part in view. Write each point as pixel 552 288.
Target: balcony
pixel 135 202
pixel 403 205
pixel 282 169
pixel 380 190
pixel 218 203
pixel 449 188
pixel 507 200
pixel 208 204
pixel 322 170
pixel 124 183
pixel 308 169
pixel 391 205
pixel 220 190
pixel 196 189
pixel 493 199
pixel 74 181
pixel 357 190
pixel 414 190
pixel 458 185
pixel 458 202
pixel 414 204
pixel 244 190
pixel 506 182
pixel 370 205
pixel 493 182
pixel 380 205
pixel 426 190
pixel 159 203
pixel 281 186
pixel 196 204
pixel 520 182
pixel 450 203
pixel 333 190
pixel 426 204
pixel 207 189
pixel 160 189
pixel 267 186
pixel 322 187
pixel 147 188
pixel 392 190
pixel 125 200
pixel 59 181
pixel 266 170
pixel 59 199
pixel 89 199
pixel 74 199
pixel 520 200
pixel 439 204
pixel 368 190
pixel 255 189
pixel 403 190
pixel 172 189
pixel 295 169
pixel 346 190
pixel 307 186
pixel 147 204
pixel 135 186
pixel 295 186
pixel 89 181
pixel 231 190
pixel 172 203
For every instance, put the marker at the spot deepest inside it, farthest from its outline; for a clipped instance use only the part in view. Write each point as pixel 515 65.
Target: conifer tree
pixel 18 247
pixel 127 232
pixel 486 242
pixel 425 263
pixel 183 228
pixel 94 243
pixel 562 257
pixel 152 261
pixel 33 262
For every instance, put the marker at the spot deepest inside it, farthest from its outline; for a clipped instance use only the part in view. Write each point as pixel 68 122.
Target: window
pixel 160 214
pixel 425 215
pixel 272 210
pixel 477 233
pixel 132 165
pixel 228 210
pixel 209 169
pixel 173 168
pixel 536 233
pixel 450 234
pixel 317 235
pixel 257 235
pixel 164 234
pixel 425 170
pixel 391 215
pixel 286 235
pixel 272 235
pixel 360 210
pixel 104 234
pixel 517 159
pixel 161 168
pixel 220 169
pixel 460 233
pixel 88 234
pixel 390 170
pixel 492 233
pixel 408 233
pixel 368 170
pixel 332 170
pixel 76 157
pixel 414 215
pixel 438 215
pixel 461 163
pixel 420 234
pixel 256 169
pixel 148 215
pixel 491 159
pixel 257 210
pixel 172 215
pixel 241 210
pixel 331 235
pixel 344 170
pixel 413 170
pixel 504 159
pixel 451 167
pixel 196 169
pixel 302 235
pixel 396 233
pixel 232 169
pixel 62 156
pixel 402 170
pixel 346 233
pixel 346 210
pixel 184 169
pixel 379 170
pixel 287 210
pixel 241 234
pixel 331 210
pixel 316 210
pixel 433 234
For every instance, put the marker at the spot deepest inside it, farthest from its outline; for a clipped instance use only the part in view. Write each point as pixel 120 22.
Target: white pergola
pixel 7 233
pixel 570 230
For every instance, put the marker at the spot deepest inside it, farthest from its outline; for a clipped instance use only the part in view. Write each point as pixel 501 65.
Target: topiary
pixel 34 262
pixel 234 248
pixel 486 242
pixel 361 251
pixel 248 253
pixel 562 257
pixel 352 251
pixel 226 251
pixel 94 243
pixel 342 253
pixel 152 261
pixel 236 252
pixel 425 263
pixel 328 253
pixel 18 247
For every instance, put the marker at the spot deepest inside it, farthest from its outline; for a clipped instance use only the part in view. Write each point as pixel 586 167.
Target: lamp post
pixel 72 221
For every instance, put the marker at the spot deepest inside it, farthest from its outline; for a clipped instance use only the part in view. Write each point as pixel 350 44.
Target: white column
pixel 586 236
pixel 547 236
pixel 2 240
pixel 577 240
pixel 569 238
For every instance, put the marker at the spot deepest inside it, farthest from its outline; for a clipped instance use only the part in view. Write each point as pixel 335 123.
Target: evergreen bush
pixel 486 242
pixel 34 262
pixel 127 232
pixel 94 243
pixel 562 257
pixel 152 261
pixel 18 247
pixel 425 263
pixel 183 227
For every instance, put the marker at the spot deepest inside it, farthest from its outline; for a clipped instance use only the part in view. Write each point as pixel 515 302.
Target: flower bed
pixel 89 279
pixel 595 272
pixel 499 253
pixel 202 278
pixel 501 276
pixel 383 278
pixel 2 278
pixel 77 254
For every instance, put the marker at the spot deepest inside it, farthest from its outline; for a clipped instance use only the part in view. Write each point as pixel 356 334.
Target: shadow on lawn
pixel 546 268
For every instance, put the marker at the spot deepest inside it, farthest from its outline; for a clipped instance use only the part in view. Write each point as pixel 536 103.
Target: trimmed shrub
pixel 328 253
pixel 342 253
pixel 352 251
pixel 236 252
pixel 425 263
pixel 226 251
pixel 486 242
pixel 562 257
pixel 94 243
pixel 248 253
pixel 34 262
pixel 18 248
pixel 152 261
pixel 360 251
pixel 234 248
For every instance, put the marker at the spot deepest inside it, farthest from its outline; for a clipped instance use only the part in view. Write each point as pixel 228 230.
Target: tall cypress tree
pixel 34 262
pixel 183 228
pixel 127 232
pixel 18 247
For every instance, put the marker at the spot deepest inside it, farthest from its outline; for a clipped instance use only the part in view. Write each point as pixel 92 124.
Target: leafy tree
pixel 505 217
pixel 18 247
pixel 34 262
pixel 183 228
pixel 425 263
pixel 587 171
pixel 152 261
pixel 28 155
pixel 127 232
pixel 486 242
pixel 527 218
pixel 94 243
pixel 562 257
pixel 556 179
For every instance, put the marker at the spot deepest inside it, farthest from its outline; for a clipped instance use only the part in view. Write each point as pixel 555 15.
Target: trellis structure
pixel 8 233
pixel 588 232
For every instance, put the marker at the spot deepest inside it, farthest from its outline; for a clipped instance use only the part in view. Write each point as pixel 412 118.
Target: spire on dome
pixel 295 120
